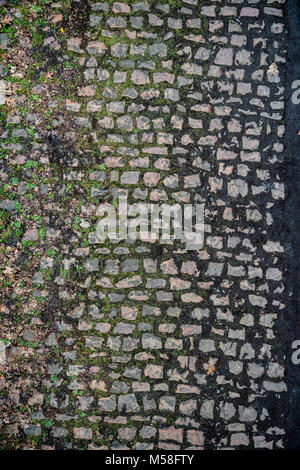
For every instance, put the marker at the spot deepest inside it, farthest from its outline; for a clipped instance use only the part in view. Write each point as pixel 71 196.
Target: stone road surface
pixel 141 345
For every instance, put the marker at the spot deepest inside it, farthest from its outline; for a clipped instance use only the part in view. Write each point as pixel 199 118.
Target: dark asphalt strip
pixel 290 323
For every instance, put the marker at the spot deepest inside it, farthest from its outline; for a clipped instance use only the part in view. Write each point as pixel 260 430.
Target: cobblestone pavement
pixel 141 345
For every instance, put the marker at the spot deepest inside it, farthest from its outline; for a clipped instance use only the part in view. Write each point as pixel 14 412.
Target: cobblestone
pixel 143 345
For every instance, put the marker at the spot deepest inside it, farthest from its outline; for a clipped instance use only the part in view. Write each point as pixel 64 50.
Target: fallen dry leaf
pixel 273 69
pixel 210 370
